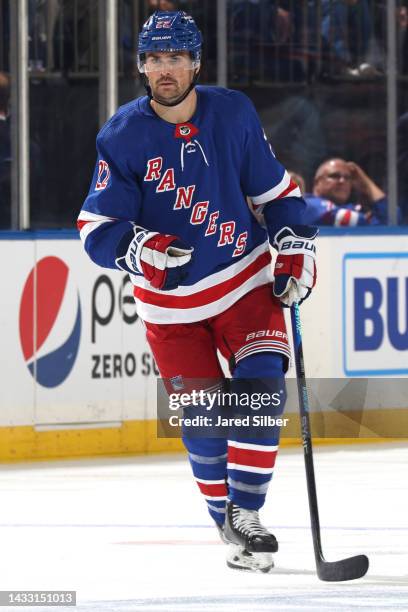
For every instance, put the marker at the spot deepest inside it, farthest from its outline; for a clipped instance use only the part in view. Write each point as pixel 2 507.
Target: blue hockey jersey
pixel 191 180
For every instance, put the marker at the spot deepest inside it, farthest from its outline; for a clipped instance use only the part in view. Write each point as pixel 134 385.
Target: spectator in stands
pixel 344 195
pixel 5 35
pixel 378 48
pixel 42 20
pixel 35 153
pixel 296 131
pixel 79 36
pixel 5 153
pixel 261 37
pixel 346 32
pixel 162 5
pixel 403 37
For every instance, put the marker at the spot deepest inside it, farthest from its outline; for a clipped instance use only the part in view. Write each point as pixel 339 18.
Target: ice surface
pixel 134 534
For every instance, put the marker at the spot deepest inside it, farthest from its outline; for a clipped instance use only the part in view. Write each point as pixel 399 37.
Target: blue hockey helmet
pixel 170 31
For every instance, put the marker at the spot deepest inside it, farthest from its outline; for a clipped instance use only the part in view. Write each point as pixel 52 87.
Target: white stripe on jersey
pixel 85 215
pixel 276 191
pixel 92 222
pixel 90 227
pixel 157 314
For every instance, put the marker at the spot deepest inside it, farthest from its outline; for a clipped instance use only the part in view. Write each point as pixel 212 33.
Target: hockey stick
pixel 333 571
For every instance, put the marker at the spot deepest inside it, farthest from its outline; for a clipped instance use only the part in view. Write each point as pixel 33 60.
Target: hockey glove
pixel 161 258
pixel 295 267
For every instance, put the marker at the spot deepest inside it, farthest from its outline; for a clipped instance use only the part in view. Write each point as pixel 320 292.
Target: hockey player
pixel 168 204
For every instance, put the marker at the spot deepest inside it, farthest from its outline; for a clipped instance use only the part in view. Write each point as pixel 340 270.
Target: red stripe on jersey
pixel 206 296
pixel 80 224
pixel 254 458
pixel 292 185
pixel 214 490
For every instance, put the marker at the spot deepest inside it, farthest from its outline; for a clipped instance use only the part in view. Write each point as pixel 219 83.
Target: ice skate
pixel 241 559
pixel 244 528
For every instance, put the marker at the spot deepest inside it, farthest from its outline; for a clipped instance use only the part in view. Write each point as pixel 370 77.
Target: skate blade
pixel 241 559
pixel 264 570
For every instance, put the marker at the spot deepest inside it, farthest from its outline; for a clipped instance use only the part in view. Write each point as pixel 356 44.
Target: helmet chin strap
pixel 179 100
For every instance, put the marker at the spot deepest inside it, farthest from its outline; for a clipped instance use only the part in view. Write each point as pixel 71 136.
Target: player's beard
pixel 173 94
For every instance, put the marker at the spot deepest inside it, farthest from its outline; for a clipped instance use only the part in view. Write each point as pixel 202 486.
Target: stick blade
pixel 346 569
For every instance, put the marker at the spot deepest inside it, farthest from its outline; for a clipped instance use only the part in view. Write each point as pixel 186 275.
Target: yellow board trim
pixel 132 438
pixel 25 443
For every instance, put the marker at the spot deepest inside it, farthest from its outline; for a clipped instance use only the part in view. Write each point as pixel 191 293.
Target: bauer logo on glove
pixel 307 245
pixel 295 268
pixel 161 258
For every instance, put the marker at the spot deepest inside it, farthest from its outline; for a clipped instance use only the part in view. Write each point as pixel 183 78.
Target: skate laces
pixel 247 521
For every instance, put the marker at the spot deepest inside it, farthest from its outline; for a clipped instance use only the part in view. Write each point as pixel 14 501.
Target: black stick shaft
pixel 332 571
pixel 306 431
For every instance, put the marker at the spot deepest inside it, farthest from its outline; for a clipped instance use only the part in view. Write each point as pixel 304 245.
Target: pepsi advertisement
pixel 76 351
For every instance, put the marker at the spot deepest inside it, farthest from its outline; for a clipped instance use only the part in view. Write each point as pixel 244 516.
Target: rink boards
pixel 78 378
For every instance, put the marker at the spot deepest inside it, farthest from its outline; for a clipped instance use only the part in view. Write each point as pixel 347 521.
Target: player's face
pixel 169 74
pixel 334 182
